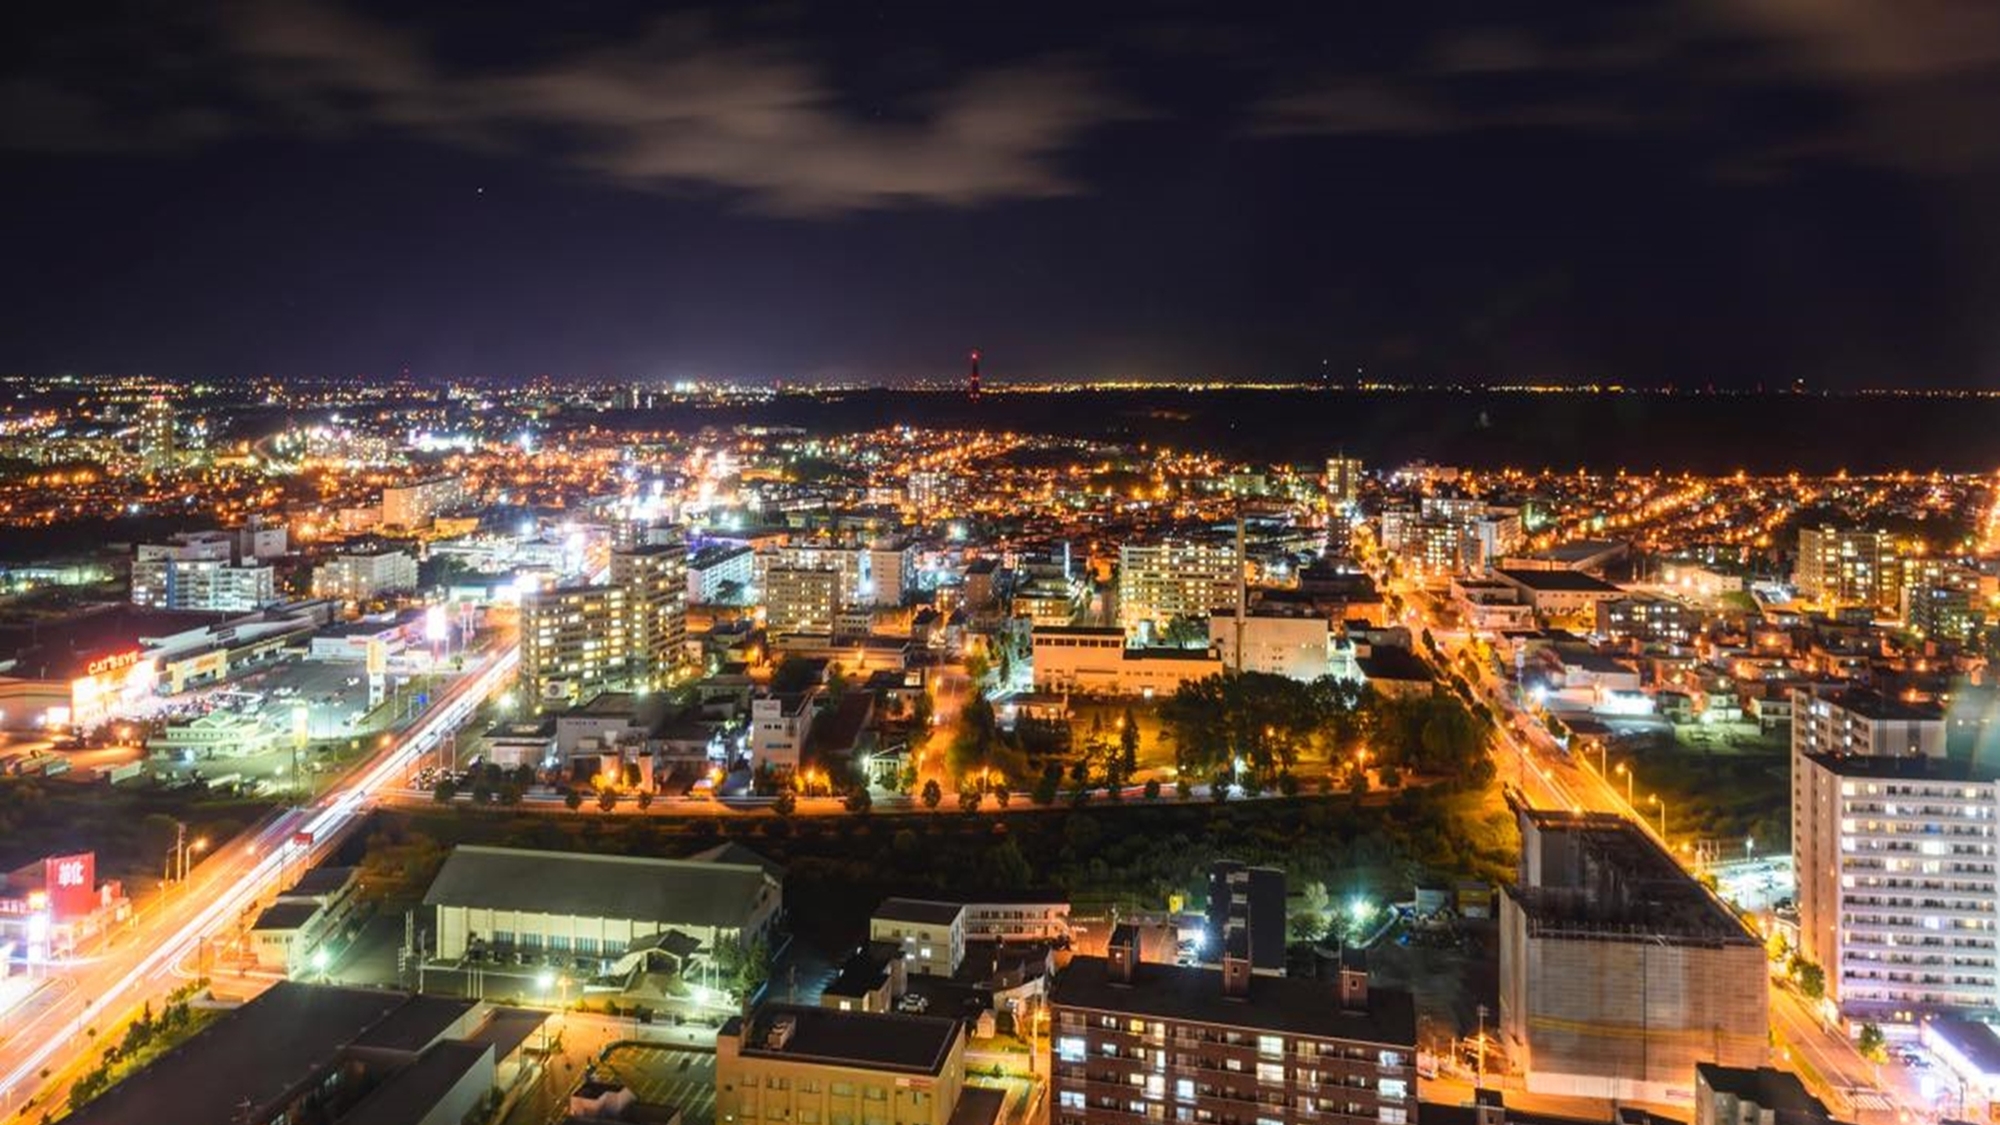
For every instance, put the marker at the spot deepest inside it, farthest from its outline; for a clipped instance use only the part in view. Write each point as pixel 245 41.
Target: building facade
pixel 1139 1043
pixel 1618 971
pixel 1174 578
pixel 1855 567
pixel 363 575
pixel 822 1066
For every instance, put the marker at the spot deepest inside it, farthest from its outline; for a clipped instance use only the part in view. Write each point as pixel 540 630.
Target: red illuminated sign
pixel 71 884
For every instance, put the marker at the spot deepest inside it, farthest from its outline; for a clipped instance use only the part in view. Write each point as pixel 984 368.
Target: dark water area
pixel 1774 433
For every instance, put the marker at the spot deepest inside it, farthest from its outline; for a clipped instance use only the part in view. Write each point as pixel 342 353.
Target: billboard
pixel 71 884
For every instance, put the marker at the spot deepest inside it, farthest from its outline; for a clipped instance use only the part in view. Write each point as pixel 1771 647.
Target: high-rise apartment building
pixel 573 644
pixel 623 635
pixel 1894 851
pixel 156 434
pixel 1846 567
pixel 801 599
pixel 1343 483
pixel 1147 1042
pixel 1158 582
pixel 654 578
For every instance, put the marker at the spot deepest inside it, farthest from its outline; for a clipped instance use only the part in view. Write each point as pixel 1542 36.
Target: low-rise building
pixel 930 933
pixel 1096 661
pixel 359 576
pixel 593 907
pixel 824 1066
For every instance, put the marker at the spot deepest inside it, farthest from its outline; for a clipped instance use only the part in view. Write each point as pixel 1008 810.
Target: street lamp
pixel 1654 799
pixel 1627 772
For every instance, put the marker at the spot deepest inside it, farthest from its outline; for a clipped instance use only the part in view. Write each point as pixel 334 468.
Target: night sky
pixel 1705 191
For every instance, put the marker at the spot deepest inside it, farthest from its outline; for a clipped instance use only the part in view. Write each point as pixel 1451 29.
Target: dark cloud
pixel 678 106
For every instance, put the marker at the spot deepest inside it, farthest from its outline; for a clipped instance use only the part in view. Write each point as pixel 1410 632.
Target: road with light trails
pixel 137 965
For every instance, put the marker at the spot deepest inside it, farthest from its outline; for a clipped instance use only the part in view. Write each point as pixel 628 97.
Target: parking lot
pixel 666 1076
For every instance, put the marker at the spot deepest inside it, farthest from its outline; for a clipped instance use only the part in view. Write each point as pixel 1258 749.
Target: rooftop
pixel 1778 1091
pixel 1193 994
pixel 1599 876
pixel 921 911
pixel 1913 767
pixel 872 1040
pixel 1557 581
pixel 412 1093
pixel 261 1051
pixel 719 891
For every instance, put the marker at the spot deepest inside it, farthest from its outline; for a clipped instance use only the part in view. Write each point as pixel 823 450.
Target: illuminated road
pixel 1547 777
pixel 138 964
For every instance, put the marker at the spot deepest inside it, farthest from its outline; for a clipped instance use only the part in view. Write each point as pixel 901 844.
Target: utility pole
pixel 1479 1046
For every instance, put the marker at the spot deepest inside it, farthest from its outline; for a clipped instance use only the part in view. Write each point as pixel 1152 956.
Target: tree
pixel 445 792
pixel 573 799
pixel 1218 788
pixel 1182 789
pixel 1390 776
pixel 1152 789
pixel 1287 784
pixel 1872 1044
pixel 1128 743
pixel 1307 927
pixel 1810 978
pixel 922 709
pixel 1048 787
pixel 510 794
pixel 1357 780
pixel 933 795
pixel 859 800
pixel 607 800
pixel 795 673
pixel 645 799
pixel 968 799
pixel 785 803
pixel 1001 795
pixel 1183 631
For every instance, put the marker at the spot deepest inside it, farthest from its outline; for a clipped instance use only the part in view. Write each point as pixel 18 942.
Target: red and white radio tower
pixel 972 378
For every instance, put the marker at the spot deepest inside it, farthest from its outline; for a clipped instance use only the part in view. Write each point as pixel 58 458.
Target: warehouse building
pixel 594 907
pixel 1618 971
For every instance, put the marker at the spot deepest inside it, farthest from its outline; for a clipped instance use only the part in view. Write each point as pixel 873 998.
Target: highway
pixel 139 963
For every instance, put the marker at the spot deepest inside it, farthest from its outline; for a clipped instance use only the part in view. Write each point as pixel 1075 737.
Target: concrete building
pixel 931 934
pixel 1096 661
pixel 1895 860
pixel 1246 915
pixel 157 448
pixel 1853 567
pixel 1732 1095
pixel 1294 645
pixel 779 725
pixel 1855 721
pixel 358 576
pixel 888 573
pixel 1154 1042
pixel 573 644
pixel 1618 971
pixel 1648 620
pixel 721 574
pixel 308 922
pixel 1343 484
pixel 654 579
pixel 412 507
pixel 1560 594
pixel 822 1066
pixel 593 907
pixel 625 635
pixel 801 599
pixel 1158 582
pixel 199 571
